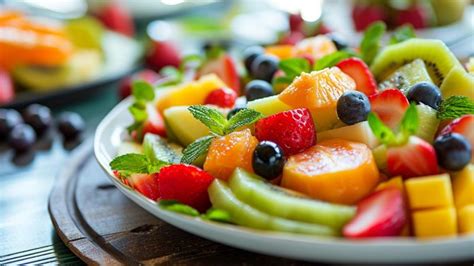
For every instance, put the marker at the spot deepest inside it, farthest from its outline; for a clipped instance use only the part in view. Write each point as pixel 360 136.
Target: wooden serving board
pixel 102 226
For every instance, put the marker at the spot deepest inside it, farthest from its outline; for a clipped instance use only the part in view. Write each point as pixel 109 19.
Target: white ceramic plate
pixel 110 133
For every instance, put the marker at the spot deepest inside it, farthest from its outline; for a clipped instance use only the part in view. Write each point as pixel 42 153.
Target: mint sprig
pixel 143 92
pixel 454 107
pixel 134 163
pixel 382 132
pixel 210 117
pixel 332 59
pixel 402 34
pixel 242 118
pixel 195 149
pixel 371 41
pixel 410 121
pixel 291 67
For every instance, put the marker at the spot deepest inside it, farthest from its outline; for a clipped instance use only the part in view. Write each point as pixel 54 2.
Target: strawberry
pixel 115 17
pixel 291 38
pixel 223 97
pixel 381 214
pixel 185 183
pixel 296 22
pixel 414 15
pixel 292 130
pixel 463 125
pixel 154 123
pixel 414 158
pixel 390 105
pixel 125 87
pixel 7 91
pixel 224 67
pixel 161 54
pixel 146 184
pixel 364 15
pixel 360 73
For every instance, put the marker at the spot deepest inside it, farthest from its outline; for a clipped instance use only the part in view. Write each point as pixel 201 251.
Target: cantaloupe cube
pixel 435 222
pixel 429 192
pixel 463 186
pixel 466 219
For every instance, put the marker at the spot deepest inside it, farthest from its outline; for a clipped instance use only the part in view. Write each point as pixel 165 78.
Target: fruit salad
pixel 312 138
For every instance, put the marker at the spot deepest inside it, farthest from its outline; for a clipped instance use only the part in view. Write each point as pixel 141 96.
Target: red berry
pixel 125 88
pixel 390 105
pixel 363 15
pixel 292 130
pixel 154 123
pixel 225 68
pixel 360 73
pixel 291 38
pixel 146 184
pixel 187 184
pixel 415 16
pixel 296 22
pixel 161 54
pixel 223 97
pixel 380 214
pixel 7 91
pixel 116 17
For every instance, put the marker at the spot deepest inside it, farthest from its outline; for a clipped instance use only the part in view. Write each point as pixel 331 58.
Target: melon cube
pixel 359 132
pixel 268 105
pixel 429 192
pixel 466 219
pixel 435 222
pixel 463 186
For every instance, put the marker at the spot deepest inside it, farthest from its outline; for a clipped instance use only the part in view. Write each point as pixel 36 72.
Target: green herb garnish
pixel 134 163
pixel 332 59
pixel 371 41
pixel 291 67
pixel 402 34
pixel 454 107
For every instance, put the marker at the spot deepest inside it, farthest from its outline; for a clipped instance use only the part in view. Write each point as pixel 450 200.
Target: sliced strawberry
pixel 125 87
pixel 360 73
pixel 223 97
pixel 381 214
pixel 390 105
pixel 415 158
pixel 187 184
pixel 463 125
pixel 414 16
pixel 292 130
pixel 161 54
pixel 7 91
pixel 116 18
pixel 146 184
pixel 224 67
pixel 154 123
pixel 364 15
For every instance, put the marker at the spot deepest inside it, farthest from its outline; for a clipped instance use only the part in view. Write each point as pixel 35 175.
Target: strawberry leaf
pixel 371 41
pixel 294 66
pixel 210 117
pixel 218 215
pixel 410 121
pixel 143 91
pixel 242 118
pixel 380 130
pixel 454 107
pixel 402 34
pixel 332 59
pixel 196 149
pixel 176 206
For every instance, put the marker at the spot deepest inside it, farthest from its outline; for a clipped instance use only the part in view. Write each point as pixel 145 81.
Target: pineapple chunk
pixel 429 192
pixel 180 120
pixel 359 132
pixel 268 105
pixel 463 186
pixel 435 222
pixel 466 219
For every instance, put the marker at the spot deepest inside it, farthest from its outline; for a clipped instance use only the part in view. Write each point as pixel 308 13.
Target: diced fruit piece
pixel 463 125
pixel 429 192
pixel 268 160
pixel 406 76
pixel 287 204
pixel 463 186
pixel 268 105
pixel 243 214
pixel 224 67
pixel 414 15
pixel 198 89
pixel 250 54
pixel 146 184
pixel 180 120
pixel 257 89
pixel 318 91
pixel 85 33
pixel 316 47
pixel 364 15
pixel 415 158
pixel 359 132
pixel 187 184
pixel 162 53
pixel 390 106
pixel 129 147
pixel 426 93
pixel 394 182
pixel 292 130
pixel 282 51
pixel 222 97
pixel 264 67
pixel 291 38
pixel 436 55
pixel 117 18
pixel 296 22
pixel 360 73
pixel 435 223
pixel 428 124
pixel 380 156
pixel 7 91
pixel 336 170
pixel 458 82
pixel 380 214
pixel 229 152
pixel 466 219
pixel 448 11
pixel 353 107
pixel 153 124
pixel 453 151
pixel 158 148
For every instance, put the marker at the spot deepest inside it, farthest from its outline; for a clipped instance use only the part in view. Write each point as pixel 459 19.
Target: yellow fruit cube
pixel 435 222
pixel 466 219
pixel 429 192
pixel 463 186
pixel 396 182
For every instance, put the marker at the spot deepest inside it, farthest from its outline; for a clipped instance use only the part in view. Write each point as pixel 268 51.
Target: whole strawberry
pixel 364 15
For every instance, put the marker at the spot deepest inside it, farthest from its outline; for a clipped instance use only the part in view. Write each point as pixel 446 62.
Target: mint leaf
pixel 218 215
pixel 138 112
pixel 332 59
pixel 371 41
pixel 134 163
pixel 195 149
pixel 243 118
pixel 170 76
pixel 294 66
pixel 282 80
pixel 410 121
pixel 175 206
pixel 143 91
pixel 380 130
pixel 402 34
pixel 454 107
pixel 210 117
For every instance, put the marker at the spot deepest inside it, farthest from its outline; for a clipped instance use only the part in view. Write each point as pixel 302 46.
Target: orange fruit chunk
pixel 336 170
pixel 282 51
pixel 315 47
pixel 229 152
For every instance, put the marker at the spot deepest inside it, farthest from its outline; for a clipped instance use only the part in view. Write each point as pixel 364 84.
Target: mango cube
pixel 466 219
pixel 435 222
pixel 429 192
pixel 463 186
pixel 395 182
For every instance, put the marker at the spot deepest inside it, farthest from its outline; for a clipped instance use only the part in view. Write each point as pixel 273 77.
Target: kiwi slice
pixel 287 204
pixel 380 156
pixel 243 214
pixel 158 148
pixel 439 60
pixel 428 124
pixel 458 82
pixel 406 76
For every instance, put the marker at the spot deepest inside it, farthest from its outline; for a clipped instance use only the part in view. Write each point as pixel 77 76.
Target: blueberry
pixel 353 107
pixel 426 93
pixel 257 89
pixel 22 137
pixel 338 40
pixel 232 112
pixel 453 151
pixel 264 67
pixel 38 116
pixel 268 160
pixel 71 125
pixel 8 119
pixel 250 54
